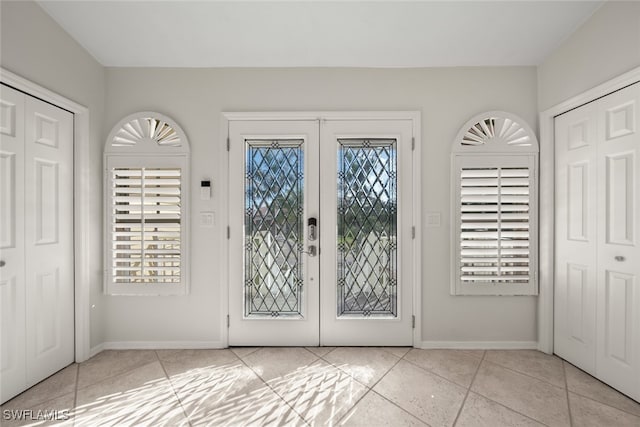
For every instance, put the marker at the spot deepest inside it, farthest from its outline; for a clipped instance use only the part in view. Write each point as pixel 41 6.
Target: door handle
pixel 619 258
pixel 313 229
pixel 2 263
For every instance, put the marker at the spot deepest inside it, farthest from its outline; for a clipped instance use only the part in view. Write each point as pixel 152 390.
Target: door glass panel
pixel 367 228
pixel 274 209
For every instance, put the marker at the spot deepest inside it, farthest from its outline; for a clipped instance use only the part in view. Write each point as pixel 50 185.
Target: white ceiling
pixel 319 33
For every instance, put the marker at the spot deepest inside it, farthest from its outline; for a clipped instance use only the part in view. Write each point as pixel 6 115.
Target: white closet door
pixel 618 276
pixel 597 277
pixel 48 238
pixel 12 289
pixel 36 283
pixel 575 275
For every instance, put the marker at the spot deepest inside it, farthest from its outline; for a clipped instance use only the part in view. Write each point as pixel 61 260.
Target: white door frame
pixel 414 116
pixel 547 209
pixel 81 197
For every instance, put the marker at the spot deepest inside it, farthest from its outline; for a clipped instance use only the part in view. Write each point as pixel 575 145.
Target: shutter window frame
pixel 146 189
pixel 494 205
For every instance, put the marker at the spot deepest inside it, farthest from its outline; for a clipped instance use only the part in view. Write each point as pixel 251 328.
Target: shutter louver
pixel 494 227
pixel 146 225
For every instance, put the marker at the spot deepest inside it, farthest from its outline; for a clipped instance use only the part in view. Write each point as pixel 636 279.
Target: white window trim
pixel 494 152
pixel 147 153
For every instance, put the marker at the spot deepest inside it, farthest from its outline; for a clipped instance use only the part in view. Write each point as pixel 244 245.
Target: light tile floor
pixel 324 386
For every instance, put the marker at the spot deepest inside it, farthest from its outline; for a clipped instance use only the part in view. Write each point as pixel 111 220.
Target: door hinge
pixel 413 232
pixel 228 232
pixel 413 321
pixel 228 321
pixel 228 144
pixel 413 143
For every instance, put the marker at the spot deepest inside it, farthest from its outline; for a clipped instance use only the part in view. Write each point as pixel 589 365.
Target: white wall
pixel 447 97
pixel 34 46
pixel 607 45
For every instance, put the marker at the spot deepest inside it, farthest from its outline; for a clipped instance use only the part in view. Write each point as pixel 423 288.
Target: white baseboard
pixel 479 345
pixel 95 350
pixel 156 345
pixel 171 345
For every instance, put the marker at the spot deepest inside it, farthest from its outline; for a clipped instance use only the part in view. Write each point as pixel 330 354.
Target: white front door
pixel 273 192
pixel 366 212
pixel 36 241
pixel 320 232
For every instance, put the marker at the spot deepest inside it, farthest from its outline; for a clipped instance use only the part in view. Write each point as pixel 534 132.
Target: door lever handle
pixel 619 258
pixel 311 250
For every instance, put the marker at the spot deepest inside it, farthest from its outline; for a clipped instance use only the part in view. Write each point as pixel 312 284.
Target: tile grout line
pixel 566 387
pixel 238 356
pixel 391 402
pixel 464 401
pixel 604 384
pixel 371 390
pixel 502 404
pixel 119 373
pixel 75 395
pixel 435 373
pixel 184 412
pixel 510 409
pixel 605 404
pixel 366 386
pixel 347 373
pixel 271 388
pixel 525 374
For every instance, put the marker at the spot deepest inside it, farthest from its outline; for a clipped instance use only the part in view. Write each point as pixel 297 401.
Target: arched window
pixel 494 207
pixel 146 183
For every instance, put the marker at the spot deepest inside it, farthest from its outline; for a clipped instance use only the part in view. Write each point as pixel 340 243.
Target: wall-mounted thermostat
pixel 205 190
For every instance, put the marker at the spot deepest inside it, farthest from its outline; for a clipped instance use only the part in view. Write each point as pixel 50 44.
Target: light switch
pixel 207 219
pixel 433 219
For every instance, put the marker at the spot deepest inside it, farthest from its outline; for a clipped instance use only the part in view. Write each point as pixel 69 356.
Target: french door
pixel 320 232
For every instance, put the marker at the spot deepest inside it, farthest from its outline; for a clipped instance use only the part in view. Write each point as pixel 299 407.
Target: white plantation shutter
pixel 146 201
pixel 494 208
pixel 494 225
pixel 146 225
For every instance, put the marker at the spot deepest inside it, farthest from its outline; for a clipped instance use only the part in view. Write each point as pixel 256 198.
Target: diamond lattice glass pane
pixel 367 222
pixel 274 210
